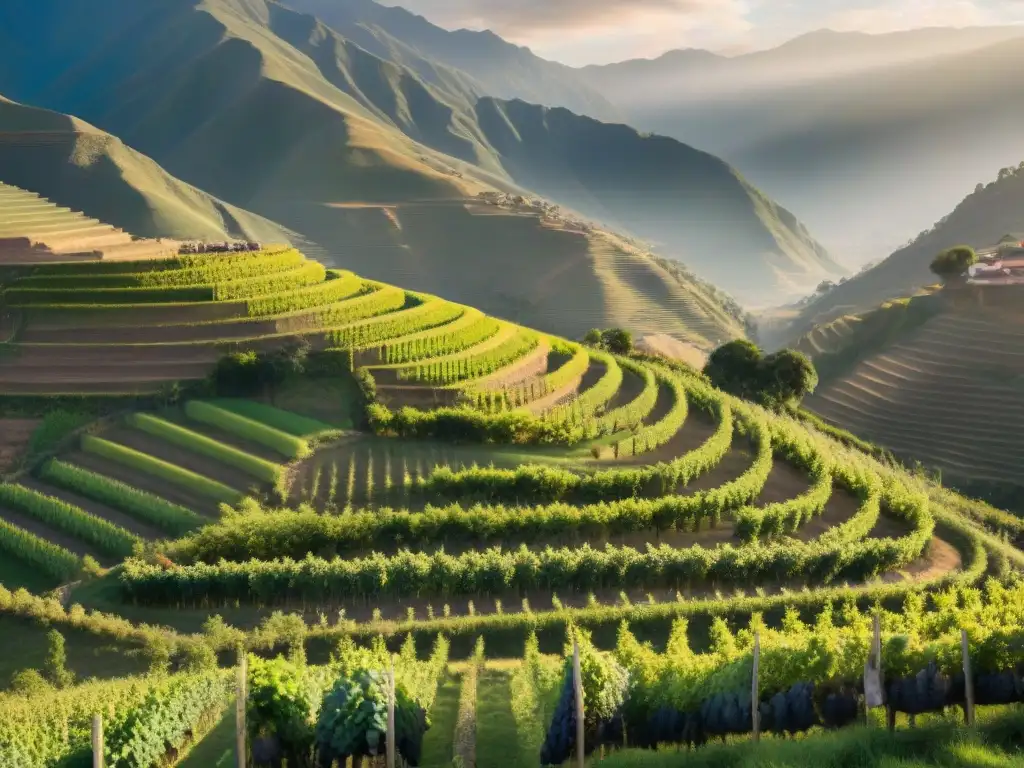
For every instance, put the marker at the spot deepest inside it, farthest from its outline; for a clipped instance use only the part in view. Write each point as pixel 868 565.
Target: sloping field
pixel 557 280
pixel 947 394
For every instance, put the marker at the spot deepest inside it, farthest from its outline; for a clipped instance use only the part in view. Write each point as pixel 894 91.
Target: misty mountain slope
pixel 870 149
pixel 500 68
pixel 80 167
pixel 981 220
pixel 278 113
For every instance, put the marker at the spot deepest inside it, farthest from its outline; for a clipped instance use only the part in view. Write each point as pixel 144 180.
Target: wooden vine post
pixel 968 679
pixel 97 741
pixel 241 695
pixel 390 753
pixel 755 697
pixel 577 684
pixel 874 692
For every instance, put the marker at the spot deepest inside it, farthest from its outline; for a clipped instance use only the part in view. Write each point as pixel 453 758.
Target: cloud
pixel 585 31
pixel 581 31
pixel 516 17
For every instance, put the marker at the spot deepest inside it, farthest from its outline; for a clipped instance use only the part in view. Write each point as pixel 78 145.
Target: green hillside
pixel 291 116
pixel 79 166
pixel 422 479
pixel 985 215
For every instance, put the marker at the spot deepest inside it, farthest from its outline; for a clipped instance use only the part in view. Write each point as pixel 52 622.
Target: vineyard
pixel 458 498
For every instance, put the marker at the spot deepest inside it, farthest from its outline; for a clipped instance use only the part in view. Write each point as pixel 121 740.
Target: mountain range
pixel 871 138
pixel 277 112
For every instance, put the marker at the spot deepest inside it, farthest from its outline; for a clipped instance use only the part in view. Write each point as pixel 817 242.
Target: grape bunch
pixel 724 714
pixel 561 735
pixel 999 688
pixel 791 711
pixel 930 690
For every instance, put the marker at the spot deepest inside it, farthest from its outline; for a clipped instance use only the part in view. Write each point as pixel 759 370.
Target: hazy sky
pixel 598 31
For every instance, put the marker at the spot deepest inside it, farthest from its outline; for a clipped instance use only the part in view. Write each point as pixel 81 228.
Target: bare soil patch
pixel 15 435
pixel 666 346
pixel 630 389
pixel 940 557
pixel 841 506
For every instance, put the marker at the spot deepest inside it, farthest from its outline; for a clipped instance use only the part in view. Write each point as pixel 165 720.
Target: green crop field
pixel 423 485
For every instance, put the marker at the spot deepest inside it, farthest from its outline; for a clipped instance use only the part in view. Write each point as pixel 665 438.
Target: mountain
pixel 278 113
pixel 870 137
pixel 498 68
pixel 980 220
pixel 83 168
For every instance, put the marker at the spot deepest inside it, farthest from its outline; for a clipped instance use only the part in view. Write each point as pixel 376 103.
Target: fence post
pixel 755 697
pixel 968 679
pixel 577 683
pixel 390 754
pixel 97 741
pixel 241 694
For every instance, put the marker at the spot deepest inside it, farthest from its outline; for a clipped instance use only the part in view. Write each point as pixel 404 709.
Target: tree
pixel 733 367
pixel 953 262
pixel 773 381
pixel 825 286
pixel 592 338
pixel 786 377
pixel 56 664
pixel 283 364
pixel 28 682
pixel 618 341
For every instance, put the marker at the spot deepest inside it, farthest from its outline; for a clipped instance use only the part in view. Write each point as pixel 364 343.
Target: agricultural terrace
pixel 422 478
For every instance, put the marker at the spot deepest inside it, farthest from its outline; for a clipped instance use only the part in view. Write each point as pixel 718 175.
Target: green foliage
pixel 108 538
pixel 28 682
pixel 281 705
pixel 168 517
pixel 469 329
pixel 651 436
pixel 416 313
pixel 172 473
pixel 337 287
pixel 775 380
pixel 954 261
pixel 51 559
pixel 354 717
pixel 56 664
pixel 55 427
pixel 844 553
pixel 468 425
pixel 277 419
pixel 287 445
pixel 261 469
pixel 618 341
pixel 469 366
pixel 166 719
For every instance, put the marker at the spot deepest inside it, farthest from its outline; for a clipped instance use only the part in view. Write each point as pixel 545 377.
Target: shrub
pixel 954 261
pixel 774 381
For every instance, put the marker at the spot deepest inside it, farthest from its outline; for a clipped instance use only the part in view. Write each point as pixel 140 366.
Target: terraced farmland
pixel 496 482
pixel 947 394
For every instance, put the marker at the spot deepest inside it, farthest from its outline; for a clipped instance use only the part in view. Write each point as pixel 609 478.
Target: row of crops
pixel 810 675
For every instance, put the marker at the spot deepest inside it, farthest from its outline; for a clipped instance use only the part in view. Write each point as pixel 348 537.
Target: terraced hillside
pixel 432 476
pixel 943 389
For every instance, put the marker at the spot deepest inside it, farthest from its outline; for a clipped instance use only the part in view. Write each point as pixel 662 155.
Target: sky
pixel 579 32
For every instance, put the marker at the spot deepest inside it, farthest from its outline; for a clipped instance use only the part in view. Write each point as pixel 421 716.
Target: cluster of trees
pixel 243 374
pixel 775 381
pixel 618 341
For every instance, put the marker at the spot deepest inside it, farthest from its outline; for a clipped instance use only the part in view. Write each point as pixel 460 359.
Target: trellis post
pixel 390 754
pixel 97 741
pixel 755 698
pixel 241 694
pixel 968 679
pixel 577 684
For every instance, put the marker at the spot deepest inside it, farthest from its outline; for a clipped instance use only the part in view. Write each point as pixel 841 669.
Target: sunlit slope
pixel 518 267
pixel 74 164
pixel 980 220
pixel 266 108
pixel 944 389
